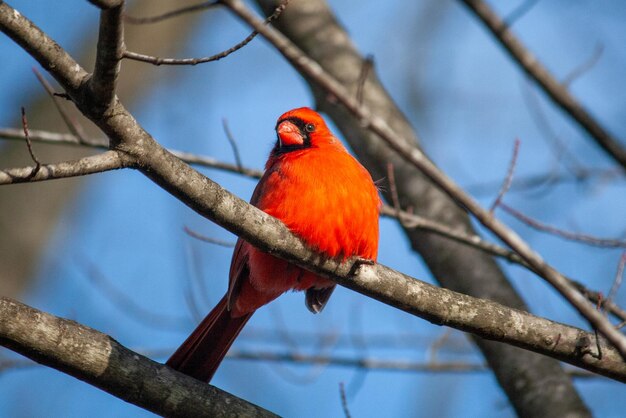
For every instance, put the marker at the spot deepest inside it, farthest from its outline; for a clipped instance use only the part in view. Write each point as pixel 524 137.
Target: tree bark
pixel 101 361
pixel 536 386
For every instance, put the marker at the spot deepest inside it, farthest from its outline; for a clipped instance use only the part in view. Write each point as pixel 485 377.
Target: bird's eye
pixel 309 127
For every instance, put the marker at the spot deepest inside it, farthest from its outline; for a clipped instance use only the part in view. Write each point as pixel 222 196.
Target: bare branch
pixel 210 240
pixel 408 220
pixel 417 158
pixel 190 158
pixel 374 364
pixel 585 66
pixel 533 181
pixel 72 124
pixel 367 66
pixel 174 13
pixel 108 55
pixel 195 61
pixel 344 400
pixel 362 363
pixel 519 12
pixel 110 160
pixel 233 144
pixel 557 146
pixel 556 91
pixel 618 278
pixel 29 145
pixel 572 236
pixel 506 184
pixel 101 361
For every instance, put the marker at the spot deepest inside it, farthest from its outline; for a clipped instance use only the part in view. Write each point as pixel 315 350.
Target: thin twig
pixel 210 240
pixel 195 61
pixel 393 189
pixel 190 293
pixel 344 400
pixel 506 184
pixel 439 342
pixel 519 12
pixel 587 239
pixel 366 68
pixel 200 294
pixel 233 144
pixel 533 181
pixel 29 145
pixel 557 146
pixel 174 13
pixel 618 278
pixel 190 158
pixel 359 363
pixel 584 67
pixel 75 128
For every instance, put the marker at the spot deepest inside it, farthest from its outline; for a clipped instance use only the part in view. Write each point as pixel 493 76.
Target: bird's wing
pixel 239 271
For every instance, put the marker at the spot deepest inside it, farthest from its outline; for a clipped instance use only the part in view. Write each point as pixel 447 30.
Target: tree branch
pixel 555 90
pixel 110 160
pixel 195 61
pixel 101 361
pixel 407 220
pixel 108 55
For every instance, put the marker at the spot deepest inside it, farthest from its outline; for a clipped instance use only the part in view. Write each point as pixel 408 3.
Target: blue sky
pixel 468 102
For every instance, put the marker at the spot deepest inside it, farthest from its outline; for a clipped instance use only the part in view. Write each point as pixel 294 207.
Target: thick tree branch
pixel 416 157
pixel 101 361
pixel 110 160
pixel 45 50
pixel 108 55
pixel 550 85
pixel 408 220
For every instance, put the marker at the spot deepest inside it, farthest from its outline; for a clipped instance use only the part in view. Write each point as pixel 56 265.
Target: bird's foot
pixel 358 262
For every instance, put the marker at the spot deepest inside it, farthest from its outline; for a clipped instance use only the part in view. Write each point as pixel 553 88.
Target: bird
pixel 325 197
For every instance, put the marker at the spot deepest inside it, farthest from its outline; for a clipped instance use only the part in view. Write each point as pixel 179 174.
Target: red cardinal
pixel 325 197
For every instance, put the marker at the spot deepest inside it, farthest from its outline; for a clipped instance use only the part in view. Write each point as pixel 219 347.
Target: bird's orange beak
pixel 289 134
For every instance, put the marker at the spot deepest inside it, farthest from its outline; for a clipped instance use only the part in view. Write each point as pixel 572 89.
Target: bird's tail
pixel 203 351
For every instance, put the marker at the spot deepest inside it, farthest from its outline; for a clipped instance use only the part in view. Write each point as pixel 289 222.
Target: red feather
pixel 324 196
